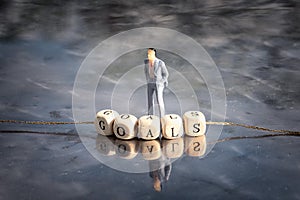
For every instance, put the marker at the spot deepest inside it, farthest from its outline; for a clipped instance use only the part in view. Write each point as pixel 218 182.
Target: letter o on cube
pixel 149 127
pixel 125 126
pixel 126 149
pixel 172 126
pixel 104 121
pixel 194 123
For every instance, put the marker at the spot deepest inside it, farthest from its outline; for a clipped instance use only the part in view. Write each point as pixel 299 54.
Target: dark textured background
pixel 255 44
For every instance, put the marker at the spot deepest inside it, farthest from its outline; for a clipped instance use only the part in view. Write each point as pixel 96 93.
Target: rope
pixel 42 122
pixel 254 137
pixel 39 133
pixel 208 123
pixel 73 134
pixel 254 127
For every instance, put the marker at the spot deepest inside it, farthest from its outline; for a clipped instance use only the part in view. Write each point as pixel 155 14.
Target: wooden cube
pixel 125 126
pixel 105 145
pixel 149 127
pixel 194 123
pixel 173 148
pixel 104 121
pixel 150 149
pixel 126 149
pixel 195 146
pixel 172 126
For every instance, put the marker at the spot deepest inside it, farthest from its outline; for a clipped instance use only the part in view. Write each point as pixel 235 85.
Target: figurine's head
pixel 151 53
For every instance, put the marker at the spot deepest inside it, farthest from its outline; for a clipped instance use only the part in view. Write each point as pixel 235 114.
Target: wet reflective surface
pixel 254 44
pixel 134 155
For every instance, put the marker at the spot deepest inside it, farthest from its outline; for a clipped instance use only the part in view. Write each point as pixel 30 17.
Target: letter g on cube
pixel 104 121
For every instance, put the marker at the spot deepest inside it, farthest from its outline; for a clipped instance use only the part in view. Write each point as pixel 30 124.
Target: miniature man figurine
pixel 157 78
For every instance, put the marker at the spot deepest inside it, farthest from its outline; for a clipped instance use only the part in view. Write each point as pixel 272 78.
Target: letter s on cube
pixel 104 121
pixel 194 123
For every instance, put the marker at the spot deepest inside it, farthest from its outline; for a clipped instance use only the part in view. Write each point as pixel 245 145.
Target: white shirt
pixel 151 70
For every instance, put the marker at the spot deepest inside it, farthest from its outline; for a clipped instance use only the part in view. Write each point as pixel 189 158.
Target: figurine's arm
pixel 164 73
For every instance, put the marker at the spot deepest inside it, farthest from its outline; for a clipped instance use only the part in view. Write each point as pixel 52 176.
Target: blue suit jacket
pixel 161 73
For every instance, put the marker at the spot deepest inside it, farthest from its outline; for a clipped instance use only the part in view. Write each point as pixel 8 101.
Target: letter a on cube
pixel 125 126
pixel 151 149
pixel 172 126
pixel 194 123
pixel 149 127
pixel 104 121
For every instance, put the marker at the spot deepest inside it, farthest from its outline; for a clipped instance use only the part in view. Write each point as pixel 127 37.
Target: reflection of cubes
pixel 105 145
pixel 195 146
pixel 125 126
pixel 150 149
pixel 104 121
pixel 173 148
pixel 126 149
pixel 194 123
pixel 171 126
pixel 149 127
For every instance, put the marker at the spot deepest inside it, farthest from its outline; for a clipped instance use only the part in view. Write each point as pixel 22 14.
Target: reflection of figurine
pixel 160 171
pixel 157 78
pixel 158 153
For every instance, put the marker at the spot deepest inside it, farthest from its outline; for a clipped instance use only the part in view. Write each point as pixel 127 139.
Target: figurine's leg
pixel 160 99
pixel 167 169
pixel 150 91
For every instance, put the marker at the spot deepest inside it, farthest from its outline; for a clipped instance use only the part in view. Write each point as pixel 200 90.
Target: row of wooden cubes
pixel 151 149
pixel 149 127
